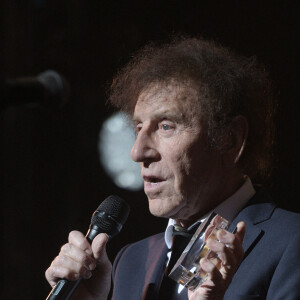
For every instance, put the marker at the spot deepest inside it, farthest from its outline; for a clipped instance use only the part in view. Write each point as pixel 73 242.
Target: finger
pixel 226 237
pixel 78 239
pixel 212 272
pixel 58 271
pixel 233 241
pixel 70 253
pixel 98 246
pixel 223 254
pixel 73 266
pixel 241 229
pixel 229 238
pixel 228 247
pixel 55 273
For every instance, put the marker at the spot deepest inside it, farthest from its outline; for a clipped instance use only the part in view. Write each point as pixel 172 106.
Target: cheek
pixel 184 162
pixel 182 169
pixel 194 174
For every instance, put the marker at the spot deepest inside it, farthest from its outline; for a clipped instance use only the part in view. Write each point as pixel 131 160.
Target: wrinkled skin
pixel 77 259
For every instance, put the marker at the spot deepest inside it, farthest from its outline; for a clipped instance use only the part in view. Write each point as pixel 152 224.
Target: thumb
pixel 98 247
pixel 240 232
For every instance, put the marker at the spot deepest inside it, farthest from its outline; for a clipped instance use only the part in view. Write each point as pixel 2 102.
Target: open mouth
pixel 152 180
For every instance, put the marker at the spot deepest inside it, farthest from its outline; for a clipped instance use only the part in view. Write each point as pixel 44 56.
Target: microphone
pixel 109 218
pixel 48 88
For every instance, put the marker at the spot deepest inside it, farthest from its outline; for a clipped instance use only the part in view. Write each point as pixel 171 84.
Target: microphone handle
pixel 64 288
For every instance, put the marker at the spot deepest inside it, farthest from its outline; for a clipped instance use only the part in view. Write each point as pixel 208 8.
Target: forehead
pixel 173 98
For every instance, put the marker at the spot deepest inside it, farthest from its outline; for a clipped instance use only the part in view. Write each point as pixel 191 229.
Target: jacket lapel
pixel 155 265
pixel 257 210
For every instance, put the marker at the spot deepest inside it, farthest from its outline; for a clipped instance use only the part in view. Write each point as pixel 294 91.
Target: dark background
pixel 51 178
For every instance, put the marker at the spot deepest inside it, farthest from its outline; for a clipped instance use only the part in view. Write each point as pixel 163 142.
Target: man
pixel 203 118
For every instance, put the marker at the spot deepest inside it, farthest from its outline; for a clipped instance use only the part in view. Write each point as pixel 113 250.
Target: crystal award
pixel 187 270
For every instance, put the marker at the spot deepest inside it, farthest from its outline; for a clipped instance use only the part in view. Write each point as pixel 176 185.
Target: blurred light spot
pixel 115 141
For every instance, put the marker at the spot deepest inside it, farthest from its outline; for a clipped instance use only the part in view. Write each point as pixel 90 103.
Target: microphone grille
pixel 116 208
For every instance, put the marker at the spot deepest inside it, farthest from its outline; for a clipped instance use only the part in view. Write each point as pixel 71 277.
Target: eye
pixel 138 128
pixel 166 127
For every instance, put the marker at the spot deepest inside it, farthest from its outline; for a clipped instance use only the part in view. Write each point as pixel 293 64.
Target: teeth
pixel 153 183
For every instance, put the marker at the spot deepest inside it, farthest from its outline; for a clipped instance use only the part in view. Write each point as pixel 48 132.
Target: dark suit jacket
pixel 270 269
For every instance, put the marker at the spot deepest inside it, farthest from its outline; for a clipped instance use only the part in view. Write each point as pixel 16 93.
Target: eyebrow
pixel 163 115
pixel 169 115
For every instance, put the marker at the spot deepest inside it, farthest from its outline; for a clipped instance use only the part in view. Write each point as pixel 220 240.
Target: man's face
pixel 182 176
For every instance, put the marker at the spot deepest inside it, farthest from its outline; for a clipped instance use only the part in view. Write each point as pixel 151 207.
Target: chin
pixel 159 213
pixel 158 210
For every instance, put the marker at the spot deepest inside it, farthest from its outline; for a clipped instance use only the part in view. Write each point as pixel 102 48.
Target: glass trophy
pixel 187 270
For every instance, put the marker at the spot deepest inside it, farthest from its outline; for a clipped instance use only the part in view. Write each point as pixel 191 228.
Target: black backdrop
pixel 51 178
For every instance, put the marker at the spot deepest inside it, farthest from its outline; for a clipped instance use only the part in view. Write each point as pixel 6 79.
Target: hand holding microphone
pixel 82 255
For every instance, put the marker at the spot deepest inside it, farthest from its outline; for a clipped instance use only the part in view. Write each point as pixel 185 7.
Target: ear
pixel 238 133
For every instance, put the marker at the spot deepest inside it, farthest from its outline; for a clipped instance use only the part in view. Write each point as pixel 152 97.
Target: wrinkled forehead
pixel 182 96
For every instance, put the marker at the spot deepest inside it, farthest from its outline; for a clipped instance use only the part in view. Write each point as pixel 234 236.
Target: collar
pixel 228 209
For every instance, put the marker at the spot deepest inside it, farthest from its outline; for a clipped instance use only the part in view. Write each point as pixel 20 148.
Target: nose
pixel 144 149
